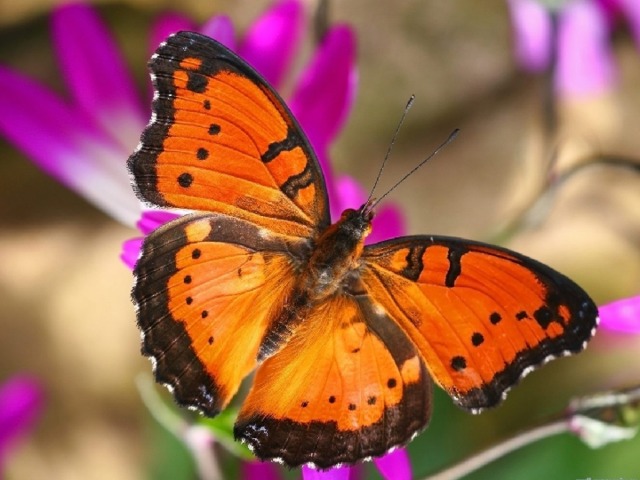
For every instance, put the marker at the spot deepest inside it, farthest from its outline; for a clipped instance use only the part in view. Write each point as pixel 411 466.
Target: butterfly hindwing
pixel 481 316
pixel 208 286
pixel 222 140
pixel 347 386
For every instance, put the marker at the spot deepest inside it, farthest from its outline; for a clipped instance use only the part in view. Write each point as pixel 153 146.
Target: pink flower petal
pixel 40 124
pixel 152 219
pixel 531 25
pixel 21 403
pixel 261 470
pixel 96 73
pixel 388 223
pixel 394 465
pixel 166 25
pixel 622 315
pixel 64 143
pixel 325 92
pixel 338 473
pixel 220 28
pixel 349 194
pixel 131 251
pixel 585 63
pixel 272 40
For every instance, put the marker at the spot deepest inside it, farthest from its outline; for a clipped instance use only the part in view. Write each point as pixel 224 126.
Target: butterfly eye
pixel 348 213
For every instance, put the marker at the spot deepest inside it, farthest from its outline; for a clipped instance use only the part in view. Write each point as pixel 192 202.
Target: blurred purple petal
pixel 149 221
pixel 337 473
pixel 64 143
pixel 272 40
pixel 131 251
pixel 394 465
pixel 261 470
pixel 165 25
pixel 349 193
pixel 585 63
pixel 531 25
pixel 622 315
pixel 21 402
pixel 325 92
pixel 388 223
pixel 96 73
pixel 152 219
pixel 631 10
pixel 40 124
pixel 221 29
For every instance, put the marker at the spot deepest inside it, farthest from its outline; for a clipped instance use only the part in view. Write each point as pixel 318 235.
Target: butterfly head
pixel 357 222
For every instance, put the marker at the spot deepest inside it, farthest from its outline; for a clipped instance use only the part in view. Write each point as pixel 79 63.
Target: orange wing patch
pixel 221 140
pixel 348 385
pixel 207 288
pixel 481 316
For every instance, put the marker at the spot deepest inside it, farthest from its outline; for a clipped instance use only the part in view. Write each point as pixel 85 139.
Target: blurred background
pixel 66 317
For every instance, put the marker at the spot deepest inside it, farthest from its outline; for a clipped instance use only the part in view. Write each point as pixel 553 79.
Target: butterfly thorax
pixel 336 254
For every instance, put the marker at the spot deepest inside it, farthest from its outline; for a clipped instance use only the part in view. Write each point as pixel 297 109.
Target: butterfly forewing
pixel 481 316
pixel 222 140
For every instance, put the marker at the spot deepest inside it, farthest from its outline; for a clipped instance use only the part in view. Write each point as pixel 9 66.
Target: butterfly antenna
pixel 393 141
pixel 449 139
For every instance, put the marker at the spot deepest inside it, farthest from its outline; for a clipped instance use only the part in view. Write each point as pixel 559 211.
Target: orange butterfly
pixel 345 337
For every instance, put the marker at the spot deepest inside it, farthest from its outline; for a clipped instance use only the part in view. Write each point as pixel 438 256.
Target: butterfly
pixel 345 338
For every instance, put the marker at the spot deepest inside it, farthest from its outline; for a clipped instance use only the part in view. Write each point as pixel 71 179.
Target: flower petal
pixel 63 142
pixel 167 24
pixel 531 25
pixel 394 465
pixel 325 92
pixel 388 223
pixel 152 219
pixel 272 40
pixel 220 28
pixel 349 194
pixel 337 473
pixel 261 470
pixel 21 402
pixel 622 315
pixel 131 251
pixel 585 63
pixel 96 73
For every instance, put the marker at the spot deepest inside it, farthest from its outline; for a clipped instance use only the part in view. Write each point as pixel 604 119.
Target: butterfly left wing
pixel 222 140
pixel 347 386
pixel 481 316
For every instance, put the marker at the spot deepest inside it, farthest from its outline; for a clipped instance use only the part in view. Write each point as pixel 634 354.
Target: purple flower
pixel 82 141
pixel 21 402
pixel 394 465
pixel 621 315
pixel 573 39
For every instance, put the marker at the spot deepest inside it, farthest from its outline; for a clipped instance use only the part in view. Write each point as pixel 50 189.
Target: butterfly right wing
pixel 208 287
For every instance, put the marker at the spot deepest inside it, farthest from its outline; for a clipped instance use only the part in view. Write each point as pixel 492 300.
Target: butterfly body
pixel 344 337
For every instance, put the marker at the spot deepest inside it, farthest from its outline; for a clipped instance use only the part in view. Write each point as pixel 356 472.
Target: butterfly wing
pixel 481 316
pixel 222 140
pixel 347 386
pixel 208 287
